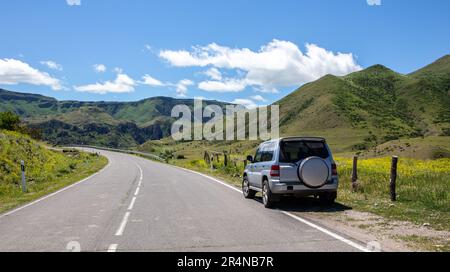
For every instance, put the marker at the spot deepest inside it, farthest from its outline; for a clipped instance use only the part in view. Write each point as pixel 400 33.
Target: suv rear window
pixel 294 151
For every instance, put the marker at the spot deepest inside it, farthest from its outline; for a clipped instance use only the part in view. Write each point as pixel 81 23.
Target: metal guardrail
pixel 149 155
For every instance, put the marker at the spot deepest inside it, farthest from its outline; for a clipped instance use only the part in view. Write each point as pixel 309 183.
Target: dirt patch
pixel 390 234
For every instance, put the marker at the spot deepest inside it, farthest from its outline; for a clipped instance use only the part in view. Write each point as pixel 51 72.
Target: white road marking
pixel 112 248
pixel 304 221
pixel 132 204
pixel 141 176
pixel 213 179
pixel 55 193
pixel 123 224
pixel 332 234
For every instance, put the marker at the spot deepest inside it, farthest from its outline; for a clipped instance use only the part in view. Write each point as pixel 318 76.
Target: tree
pixel 9 121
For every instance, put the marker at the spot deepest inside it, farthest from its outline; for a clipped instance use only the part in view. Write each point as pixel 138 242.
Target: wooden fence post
pixel 355 174
pixel 225 159
pixel 207 158
pixel 393 178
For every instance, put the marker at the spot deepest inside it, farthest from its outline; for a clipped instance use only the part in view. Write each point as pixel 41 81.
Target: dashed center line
pixel 124 222
pixel 112 248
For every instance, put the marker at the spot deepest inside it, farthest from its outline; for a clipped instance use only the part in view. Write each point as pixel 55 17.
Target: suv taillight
pixel 334 171
pixel 275 171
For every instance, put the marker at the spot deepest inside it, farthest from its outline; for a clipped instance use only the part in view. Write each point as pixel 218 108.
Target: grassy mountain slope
pixel 46 170
pixel 370 107
pixel 375 112
pixel 115 124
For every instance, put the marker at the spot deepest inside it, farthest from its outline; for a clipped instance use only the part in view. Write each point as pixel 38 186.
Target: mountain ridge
pixel 355 112
pixel 371 106
pixel 115 124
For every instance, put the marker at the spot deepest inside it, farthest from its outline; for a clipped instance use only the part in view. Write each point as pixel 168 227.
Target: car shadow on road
pixel 307 204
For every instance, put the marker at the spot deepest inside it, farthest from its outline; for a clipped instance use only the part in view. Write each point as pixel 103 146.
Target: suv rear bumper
pixel 297 188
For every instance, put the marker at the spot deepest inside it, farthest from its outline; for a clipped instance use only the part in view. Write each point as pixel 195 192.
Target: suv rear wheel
pixel 328 198
pixel 268 199
pixel 248 193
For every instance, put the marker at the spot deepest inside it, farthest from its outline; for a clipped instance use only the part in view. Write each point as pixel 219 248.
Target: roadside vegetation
pixel 46 170
pixel 423 190
pixel 423 185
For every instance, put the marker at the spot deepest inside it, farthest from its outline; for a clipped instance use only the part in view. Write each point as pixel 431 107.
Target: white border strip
pixel 132 204
pixel 57 192
pixel 332 234
pixel 304 221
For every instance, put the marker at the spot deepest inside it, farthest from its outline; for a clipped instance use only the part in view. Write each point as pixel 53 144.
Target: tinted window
pixel 294 151
pixel 258 155
pixel 267 152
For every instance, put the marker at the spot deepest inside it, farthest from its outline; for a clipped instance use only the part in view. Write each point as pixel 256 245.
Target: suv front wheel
pixel 248 193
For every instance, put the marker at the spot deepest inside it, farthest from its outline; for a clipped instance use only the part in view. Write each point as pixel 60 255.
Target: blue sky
pixel 247 51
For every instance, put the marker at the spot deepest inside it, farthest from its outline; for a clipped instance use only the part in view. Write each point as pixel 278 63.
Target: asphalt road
pixel 138 205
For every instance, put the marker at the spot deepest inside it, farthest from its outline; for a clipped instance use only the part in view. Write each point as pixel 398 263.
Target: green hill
pixel 355 112
pixel 113 124
pixel 370 107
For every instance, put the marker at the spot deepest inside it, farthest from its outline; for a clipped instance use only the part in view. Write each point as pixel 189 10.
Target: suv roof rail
pixel 304 138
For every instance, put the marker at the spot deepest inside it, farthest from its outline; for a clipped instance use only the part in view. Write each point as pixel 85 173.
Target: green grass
pixel 423 190
pixel 47 171
pixel 425 243
pixel 417 148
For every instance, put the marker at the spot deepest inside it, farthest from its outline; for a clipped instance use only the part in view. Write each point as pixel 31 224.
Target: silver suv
pixel 300 166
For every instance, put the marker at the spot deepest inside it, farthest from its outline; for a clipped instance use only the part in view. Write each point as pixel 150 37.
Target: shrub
pixel 9 121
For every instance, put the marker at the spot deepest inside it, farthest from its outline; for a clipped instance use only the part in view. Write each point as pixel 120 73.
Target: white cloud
pixel 182 87
pixel 14 72
pixel 214 74
pixel 227 85
pixel 151 81
pixel 100 68
pixel 73 2
pixel 277 64
pixel 122 84
pixel 118 70
pixel 374 2
pixel 258 98
pixel 52 65
pixel 263 89
pixel 245 102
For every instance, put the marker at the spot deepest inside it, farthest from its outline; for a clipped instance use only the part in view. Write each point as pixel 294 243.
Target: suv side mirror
pixel 250 158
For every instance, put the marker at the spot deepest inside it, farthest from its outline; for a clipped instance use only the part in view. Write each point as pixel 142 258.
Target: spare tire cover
pixel 314 172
